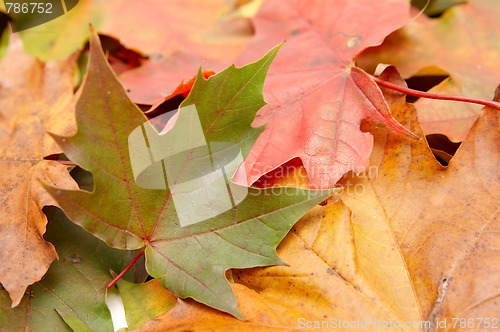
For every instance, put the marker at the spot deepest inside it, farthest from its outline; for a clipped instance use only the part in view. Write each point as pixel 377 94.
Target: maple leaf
pixel 412 241
pixel 34 97
pixel 82 271
pixel 317 99
pixel 190 261
pixel 152 26
pixel 463 43
pixel 445 218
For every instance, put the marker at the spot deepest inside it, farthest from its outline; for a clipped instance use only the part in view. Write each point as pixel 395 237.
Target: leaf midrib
pixel 122 163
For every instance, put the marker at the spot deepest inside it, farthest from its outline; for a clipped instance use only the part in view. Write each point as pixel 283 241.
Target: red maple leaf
pixel 317 98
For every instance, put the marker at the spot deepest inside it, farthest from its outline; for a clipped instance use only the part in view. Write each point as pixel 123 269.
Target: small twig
pixel 430 95
pixel 118 277
pixel 421 11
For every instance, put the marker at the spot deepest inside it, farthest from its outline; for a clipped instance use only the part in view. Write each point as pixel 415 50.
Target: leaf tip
pixel 93 37
pixel 237 313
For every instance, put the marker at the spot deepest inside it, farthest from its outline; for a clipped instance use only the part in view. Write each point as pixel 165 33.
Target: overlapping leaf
pixel 445 219
pixel 334 274
pixel 35 97
pixel 73 288
pixel 190 261
pixel 317 100
pixel 411 242
pixel 464 43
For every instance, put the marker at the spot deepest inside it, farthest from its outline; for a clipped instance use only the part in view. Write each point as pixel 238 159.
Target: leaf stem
pixel 118 277
pixel 430 95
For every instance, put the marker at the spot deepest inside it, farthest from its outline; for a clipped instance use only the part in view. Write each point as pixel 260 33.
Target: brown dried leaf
pixel 34 97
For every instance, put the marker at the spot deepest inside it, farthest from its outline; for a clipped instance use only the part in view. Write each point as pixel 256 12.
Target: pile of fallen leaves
pixel 362 207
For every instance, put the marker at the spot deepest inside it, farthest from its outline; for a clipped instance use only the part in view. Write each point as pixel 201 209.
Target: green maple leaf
pixel 136 204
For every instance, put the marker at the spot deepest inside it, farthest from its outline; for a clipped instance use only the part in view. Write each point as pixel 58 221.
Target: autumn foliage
pixel 350 202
